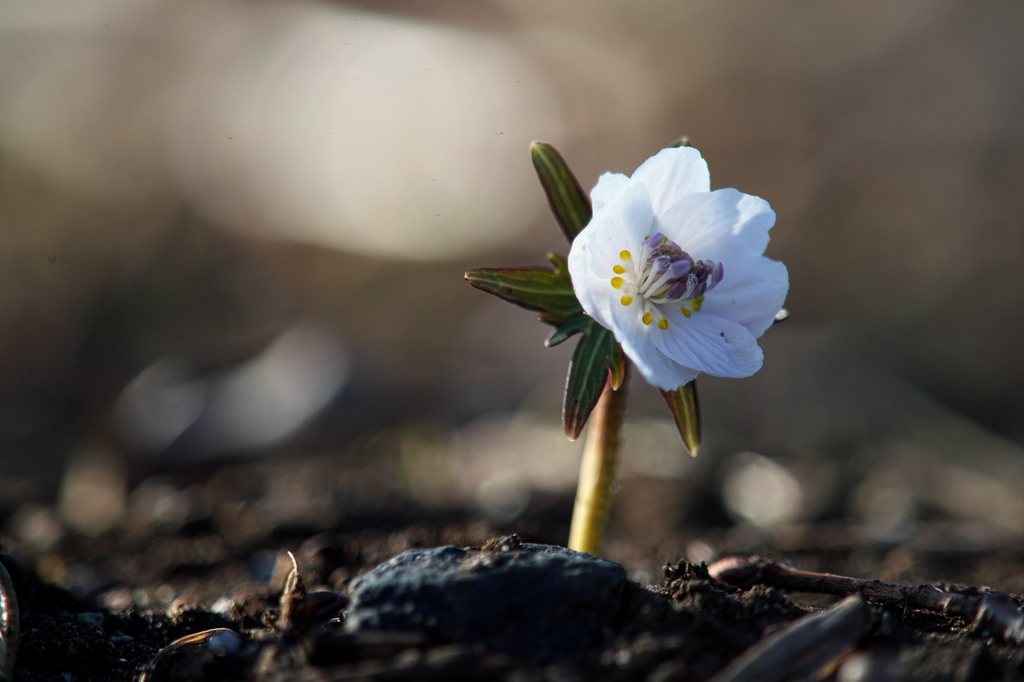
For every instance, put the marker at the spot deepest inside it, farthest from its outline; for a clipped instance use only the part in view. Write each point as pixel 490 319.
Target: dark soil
pixel 127 595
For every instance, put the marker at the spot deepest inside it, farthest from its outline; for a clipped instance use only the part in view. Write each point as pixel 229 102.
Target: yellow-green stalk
pixel 597 471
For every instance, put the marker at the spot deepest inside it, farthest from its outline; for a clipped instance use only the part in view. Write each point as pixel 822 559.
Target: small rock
pixel 537 601
pixel 93 619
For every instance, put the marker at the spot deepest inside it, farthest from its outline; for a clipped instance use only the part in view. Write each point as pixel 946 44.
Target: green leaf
pixel 568 201
pixel 546 291
pixel 589 369
pixel 684 405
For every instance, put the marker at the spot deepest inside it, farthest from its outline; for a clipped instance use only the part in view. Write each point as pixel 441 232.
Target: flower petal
pixel 672 173
pixel 631 216
pixel 657 369
pixel 595 293
pixel 700 222
pixel 709 343
pixel 751 293
pixel 594 253
pixel 608 188
pixel 619 226
pixel 635 337
pixel 670 193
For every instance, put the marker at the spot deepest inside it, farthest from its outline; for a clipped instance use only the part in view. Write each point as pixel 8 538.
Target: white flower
pixel 677 272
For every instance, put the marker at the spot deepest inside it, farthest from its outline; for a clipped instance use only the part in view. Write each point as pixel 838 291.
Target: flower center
pixel 664 274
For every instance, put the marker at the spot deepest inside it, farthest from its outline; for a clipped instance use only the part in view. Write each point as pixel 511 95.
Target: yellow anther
pixel 663 323
pixel 685 311
pixel 647 318
pixel 617 282
pixel 625 255
pixel 626 300
pixel 697 303
pixel 618 269
pixel 664 240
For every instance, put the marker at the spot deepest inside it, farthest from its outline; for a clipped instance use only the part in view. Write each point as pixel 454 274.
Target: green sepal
pixel 576 324
pixel 684 404
pixel 618 367
pixel 682 141
pixel 549 292
pixel 561 264
pixel 590 368
pixel 568 201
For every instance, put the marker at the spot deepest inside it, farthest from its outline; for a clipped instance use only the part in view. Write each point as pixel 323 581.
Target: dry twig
pixel 993 610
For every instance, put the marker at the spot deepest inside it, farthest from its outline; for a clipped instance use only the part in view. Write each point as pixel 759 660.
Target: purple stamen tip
pixel 681 267
pixel 654 241
pixel 676 291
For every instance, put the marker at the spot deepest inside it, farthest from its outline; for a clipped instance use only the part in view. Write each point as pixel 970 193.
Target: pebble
pixel 93 619
pixel 536 601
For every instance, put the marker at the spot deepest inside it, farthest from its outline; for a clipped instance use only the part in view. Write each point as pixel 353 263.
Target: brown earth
pixel 127 594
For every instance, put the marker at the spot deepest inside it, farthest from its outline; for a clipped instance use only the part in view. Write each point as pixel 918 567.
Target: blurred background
pixel 233 234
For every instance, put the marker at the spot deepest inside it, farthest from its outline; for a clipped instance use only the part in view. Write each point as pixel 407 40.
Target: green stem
pixel 597 471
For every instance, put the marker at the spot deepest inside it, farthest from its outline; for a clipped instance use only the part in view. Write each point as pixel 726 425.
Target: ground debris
pixel 804 648
pixel 988 612
pixel 128 605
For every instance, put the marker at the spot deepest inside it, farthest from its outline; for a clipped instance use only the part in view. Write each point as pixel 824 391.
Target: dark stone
pixel 537 601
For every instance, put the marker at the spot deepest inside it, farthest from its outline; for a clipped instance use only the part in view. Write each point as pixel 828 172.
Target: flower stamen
pixel 665 275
